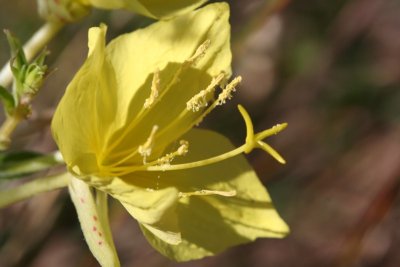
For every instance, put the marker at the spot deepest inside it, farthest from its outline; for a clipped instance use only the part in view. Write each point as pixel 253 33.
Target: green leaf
pixel 7 100
pixel 19 164
pixel 18 58
pixel 40 185
pixel 28 76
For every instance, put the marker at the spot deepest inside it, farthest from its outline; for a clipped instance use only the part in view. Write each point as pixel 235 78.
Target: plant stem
pixel 37 42
pixel 29 189
pixel 6 130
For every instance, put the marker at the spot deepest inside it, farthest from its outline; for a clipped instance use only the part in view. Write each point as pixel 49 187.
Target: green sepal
pixel 16 165
pixel 35 74
pixel 28 76
pixel 18 58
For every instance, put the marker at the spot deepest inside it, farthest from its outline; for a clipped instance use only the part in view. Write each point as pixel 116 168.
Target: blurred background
pixel 331 69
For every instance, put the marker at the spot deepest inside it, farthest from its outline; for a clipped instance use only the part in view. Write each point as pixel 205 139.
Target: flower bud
pixel 62 11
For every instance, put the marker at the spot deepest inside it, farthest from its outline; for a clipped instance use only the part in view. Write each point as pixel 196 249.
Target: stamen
pixel 221 99
pixel 226 93
pixel 145 149
pixel 252 141
pixel 201 99
pixel 200 52
pixel 161 163
pixel 183 148
pixel 207 193
pixel 166 160
pixel 155 87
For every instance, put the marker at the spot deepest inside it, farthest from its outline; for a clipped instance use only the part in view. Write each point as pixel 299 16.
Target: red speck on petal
pixel 94 218
pixel 100 234
pixel 82 200
pixel 94 229
pixel 100 243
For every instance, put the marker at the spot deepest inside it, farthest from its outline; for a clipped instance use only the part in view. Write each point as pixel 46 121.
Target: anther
pixel 252 141
pixel 155 86
pixel 183 148
pixel 226 93
pixel 200 52
pixel 145 149
pixel 181 151
pixel 201 99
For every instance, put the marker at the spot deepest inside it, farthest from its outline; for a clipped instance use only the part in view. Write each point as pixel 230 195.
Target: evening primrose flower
pixel 125 128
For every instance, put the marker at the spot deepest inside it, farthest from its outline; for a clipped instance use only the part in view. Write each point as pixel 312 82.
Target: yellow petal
pixel 210 224
pixel 166 46
pixel 85 114
pixel 155 209
pixel 103 107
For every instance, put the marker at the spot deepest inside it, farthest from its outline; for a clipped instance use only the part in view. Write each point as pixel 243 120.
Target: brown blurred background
pixel 331 69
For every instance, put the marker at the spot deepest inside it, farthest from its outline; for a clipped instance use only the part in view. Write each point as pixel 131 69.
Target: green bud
pixel 34 75
pixel 62 11
pixel 28 77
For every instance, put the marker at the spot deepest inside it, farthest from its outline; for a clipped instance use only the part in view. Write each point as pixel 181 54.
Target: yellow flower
pixel 125 127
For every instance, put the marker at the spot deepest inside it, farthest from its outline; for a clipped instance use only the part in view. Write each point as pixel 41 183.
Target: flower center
pixel 201 105
pixel 252 141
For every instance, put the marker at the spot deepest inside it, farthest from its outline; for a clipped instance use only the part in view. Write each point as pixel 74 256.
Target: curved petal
pixel 85 114
pixel 210 224
pixel 155 209
pixel 103 107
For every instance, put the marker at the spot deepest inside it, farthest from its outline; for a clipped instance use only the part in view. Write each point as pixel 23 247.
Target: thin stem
pixel 199 163
pixel 37 42
pixel 29 189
